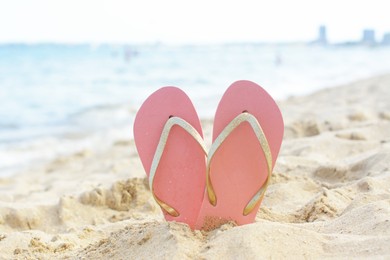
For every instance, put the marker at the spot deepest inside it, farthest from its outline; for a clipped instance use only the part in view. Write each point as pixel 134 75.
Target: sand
pixel 329 196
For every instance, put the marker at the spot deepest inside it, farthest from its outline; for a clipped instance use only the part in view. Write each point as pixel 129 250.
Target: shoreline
pixel 328 196
pixel 79 138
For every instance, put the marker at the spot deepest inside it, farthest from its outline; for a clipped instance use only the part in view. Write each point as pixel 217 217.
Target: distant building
pixel 322 38
pixel 368 37
pixel 386 39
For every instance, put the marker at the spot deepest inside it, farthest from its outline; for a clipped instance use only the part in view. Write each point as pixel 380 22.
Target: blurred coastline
pixel 71 94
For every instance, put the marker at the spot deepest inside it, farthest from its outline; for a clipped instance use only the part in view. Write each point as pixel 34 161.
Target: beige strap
pixel 243 117
pixel 172 121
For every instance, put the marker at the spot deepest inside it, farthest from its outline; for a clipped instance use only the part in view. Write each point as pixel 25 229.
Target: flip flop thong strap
pixel 238 120
pixel 172 121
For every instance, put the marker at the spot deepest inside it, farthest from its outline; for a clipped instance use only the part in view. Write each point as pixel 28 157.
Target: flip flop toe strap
pixel 238 120
pixel 172 121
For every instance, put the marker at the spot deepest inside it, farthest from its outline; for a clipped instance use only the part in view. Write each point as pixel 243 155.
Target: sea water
pixel 56 99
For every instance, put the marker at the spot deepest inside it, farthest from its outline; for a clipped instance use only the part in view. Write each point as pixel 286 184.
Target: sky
pixel 184 21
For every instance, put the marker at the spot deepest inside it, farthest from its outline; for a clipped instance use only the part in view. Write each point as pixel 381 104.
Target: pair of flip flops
pixel 208 188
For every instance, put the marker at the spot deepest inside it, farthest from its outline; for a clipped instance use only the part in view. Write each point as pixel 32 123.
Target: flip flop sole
pixel 239 167
pixel 180 176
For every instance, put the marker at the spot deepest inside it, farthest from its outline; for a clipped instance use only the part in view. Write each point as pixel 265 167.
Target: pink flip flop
pixel 247 135
pixel 168 137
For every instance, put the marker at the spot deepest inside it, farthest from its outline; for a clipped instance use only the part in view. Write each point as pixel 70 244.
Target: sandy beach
pixel 329 194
